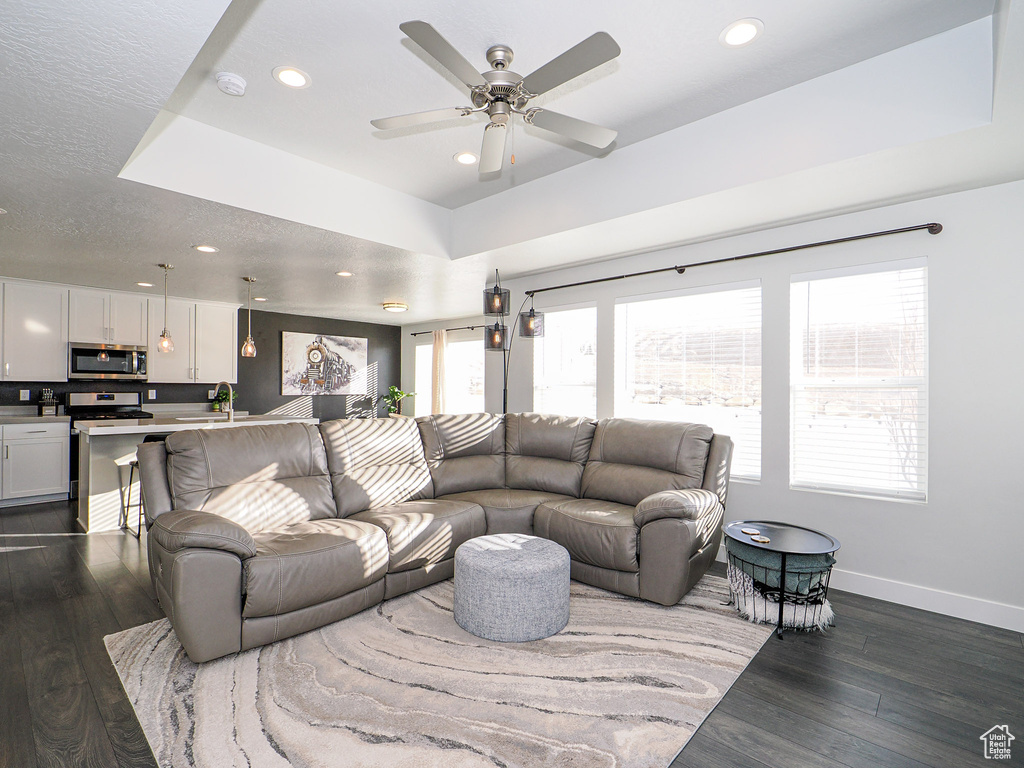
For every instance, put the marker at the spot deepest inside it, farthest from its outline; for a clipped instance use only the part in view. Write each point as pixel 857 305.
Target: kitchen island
pixel 103 442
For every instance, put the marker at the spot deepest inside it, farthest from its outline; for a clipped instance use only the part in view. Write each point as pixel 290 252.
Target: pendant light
pixel 531 324
pixel 496 337
pixel 249 347
pixel 166 343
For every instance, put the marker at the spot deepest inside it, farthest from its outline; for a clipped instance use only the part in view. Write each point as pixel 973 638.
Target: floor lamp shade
pixel 496 299
pixel 496 338
pixel 531 324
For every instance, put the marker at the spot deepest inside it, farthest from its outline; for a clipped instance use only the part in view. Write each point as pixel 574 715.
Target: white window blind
pixel 695 358
pixel 565 363
pixel 860 383
pixel 464 377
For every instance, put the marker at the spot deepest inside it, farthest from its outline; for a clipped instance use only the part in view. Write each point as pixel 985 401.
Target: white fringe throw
pixel 758 609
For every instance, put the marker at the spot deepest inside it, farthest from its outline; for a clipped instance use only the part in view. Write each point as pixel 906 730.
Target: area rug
pixel 625 684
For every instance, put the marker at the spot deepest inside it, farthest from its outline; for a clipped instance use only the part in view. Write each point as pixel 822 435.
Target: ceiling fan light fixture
pixel 395 306
pixel 740 33
pixel 292 77
pixel 465 158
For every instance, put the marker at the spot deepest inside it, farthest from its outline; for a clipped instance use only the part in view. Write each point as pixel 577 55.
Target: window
pixel 695 358
pixel 565 363
pixel 859 382
pixel 464 377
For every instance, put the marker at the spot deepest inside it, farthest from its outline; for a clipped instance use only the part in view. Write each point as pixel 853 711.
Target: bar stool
pixel 131 462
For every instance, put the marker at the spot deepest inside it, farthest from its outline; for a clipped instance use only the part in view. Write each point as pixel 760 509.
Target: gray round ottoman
pixel 511 587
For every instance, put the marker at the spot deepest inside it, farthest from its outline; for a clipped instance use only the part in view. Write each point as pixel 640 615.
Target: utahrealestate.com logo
pixel 997 742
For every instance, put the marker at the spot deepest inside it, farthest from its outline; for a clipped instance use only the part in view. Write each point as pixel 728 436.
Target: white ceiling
pixel 294 185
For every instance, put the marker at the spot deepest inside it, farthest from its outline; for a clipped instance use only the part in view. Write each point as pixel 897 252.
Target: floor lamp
pixel 497 337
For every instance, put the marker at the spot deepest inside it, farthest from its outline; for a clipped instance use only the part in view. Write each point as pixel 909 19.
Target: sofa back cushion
pixel 465 451
pixel 375 463
pixel 547 453
pixel 630 459
pixel 261 477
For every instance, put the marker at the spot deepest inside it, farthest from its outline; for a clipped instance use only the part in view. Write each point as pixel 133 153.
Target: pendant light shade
pixel 496 299
pixel 496 337
pixel 249 347
pixel 166 343
pixel 531 324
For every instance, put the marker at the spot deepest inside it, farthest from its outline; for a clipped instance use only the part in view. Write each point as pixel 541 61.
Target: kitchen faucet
pixel 230 404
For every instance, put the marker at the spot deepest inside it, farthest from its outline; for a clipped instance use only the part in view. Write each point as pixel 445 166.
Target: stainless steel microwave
pixel 106 361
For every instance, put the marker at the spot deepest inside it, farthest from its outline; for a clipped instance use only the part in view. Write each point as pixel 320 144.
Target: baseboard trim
pixel 926 598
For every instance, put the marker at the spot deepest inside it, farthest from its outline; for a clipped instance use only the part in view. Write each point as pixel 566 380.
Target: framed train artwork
pixel 317 364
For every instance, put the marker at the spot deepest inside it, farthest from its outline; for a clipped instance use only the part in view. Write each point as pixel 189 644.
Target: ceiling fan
pixel 502 93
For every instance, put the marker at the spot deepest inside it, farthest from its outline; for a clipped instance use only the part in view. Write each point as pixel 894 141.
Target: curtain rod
pixel 933 228
pixel 460 328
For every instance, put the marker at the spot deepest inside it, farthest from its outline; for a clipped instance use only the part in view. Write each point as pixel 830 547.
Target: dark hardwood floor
pixel 888 686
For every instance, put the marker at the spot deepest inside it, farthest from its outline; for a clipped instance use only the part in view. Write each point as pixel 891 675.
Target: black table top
pixel 791 539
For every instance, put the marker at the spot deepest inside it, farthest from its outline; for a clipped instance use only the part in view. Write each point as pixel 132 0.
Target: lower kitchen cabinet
pixel 34 460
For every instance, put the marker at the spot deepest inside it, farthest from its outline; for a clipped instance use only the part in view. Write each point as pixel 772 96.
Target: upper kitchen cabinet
pixel 35 340
pixel 108 318
pixel 216 343
pixel 205 339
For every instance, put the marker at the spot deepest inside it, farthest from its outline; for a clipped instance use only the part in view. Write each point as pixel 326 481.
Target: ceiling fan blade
pixel 492 152
pixel 419 118
pixel 574 128
pixel 430 40
pixel 582 57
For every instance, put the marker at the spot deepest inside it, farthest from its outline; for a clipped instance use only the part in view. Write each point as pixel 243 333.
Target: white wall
pixel 961 552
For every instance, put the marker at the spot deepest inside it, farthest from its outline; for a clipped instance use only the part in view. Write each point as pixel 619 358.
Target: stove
pixel 86 406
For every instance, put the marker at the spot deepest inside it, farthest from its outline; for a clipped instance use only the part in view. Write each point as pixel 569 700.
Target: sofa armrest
pixel 185 528
pixel 690 504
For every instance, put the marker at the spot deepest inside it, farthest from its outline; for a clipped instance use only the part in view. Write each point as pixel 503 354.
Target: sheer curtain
pixel 437 375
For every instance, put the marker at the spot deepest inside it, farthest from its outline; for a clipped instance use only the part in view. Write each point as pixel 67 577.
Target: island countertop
pixel 164 424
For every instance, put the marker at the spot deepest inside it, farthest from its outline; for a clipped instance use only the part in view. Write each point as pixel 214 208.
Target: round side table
pixel 785 540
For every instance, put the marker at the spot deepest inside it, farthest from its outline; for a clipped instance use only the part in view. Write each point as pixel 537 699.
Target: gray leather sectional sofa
pixel 260 533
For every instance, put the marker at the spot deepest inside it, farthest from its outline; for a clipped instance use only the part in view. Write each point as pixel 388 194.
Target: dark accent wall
pixel 259 378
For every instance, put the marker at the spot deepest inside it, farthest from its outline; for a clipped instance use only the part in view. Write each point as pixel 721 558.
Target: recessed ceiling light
pixel 144 285
pixel 343 273
pixel 259 298
pixel 395 306
pixel 465 158
pixel 741 33
pixel 206 248
pixel 292 77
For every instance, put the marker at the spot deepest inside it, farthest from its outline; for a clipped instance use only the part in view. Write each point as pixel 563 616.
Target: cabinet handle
pixel 111 336
pixel 7 369
pixel 7 451
pixel 35 432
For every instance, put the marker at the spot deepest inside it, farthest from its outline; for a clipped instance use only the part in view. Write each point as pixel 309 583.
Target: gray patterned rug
pixel 625 684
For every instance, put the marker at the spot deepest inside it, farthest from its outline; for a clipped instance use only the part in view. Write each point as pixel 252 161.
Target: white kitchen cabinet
pixel 35 460
pixel 177 367
pixel 205 339
pixel 108 318
pixel 35 326
pixel 216 356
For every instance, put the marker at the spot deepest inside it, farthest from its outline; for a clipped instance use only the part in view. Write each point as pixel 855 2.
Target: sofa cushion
pixel 261 477
pixel 465 452
pixel 508 510
pixel 547 453
pixel 425 532
pixel 631 459
pixel 600 533
pixel 310 563
pixel 375 463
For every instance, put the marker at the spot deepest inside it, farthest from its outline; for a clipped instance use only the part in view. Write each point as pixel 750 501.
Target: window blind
pixel 859 416
pixel 565 363
pixel 695 358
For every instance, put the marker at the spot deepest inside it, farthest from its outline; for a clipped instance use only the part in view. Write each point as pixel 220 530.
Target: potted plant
pixel 222 397
pixel 394 399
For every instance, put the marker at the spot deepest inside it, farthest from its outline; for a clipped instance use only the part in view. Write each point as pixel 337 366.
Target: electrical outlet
pixel 211 393
pixel 152 394
pixel 26 394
